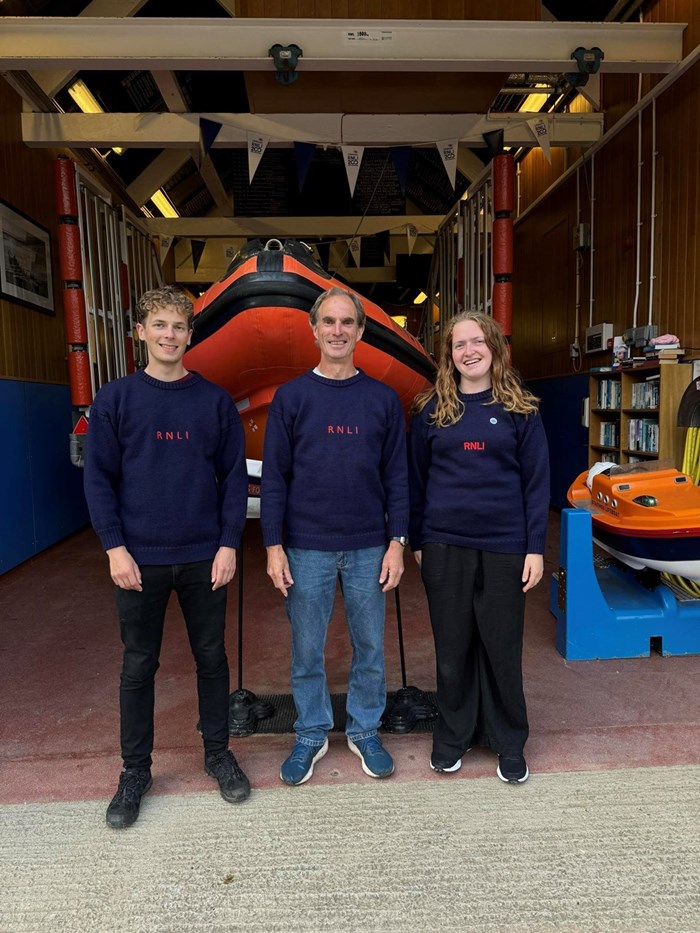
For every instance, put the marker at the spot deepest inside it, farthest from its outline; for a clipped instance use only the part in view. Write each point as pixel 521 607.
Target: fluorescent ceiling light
pixel 420 298
pixel 535 102
pixel 84 97
pixel 86 100
pixel 164 204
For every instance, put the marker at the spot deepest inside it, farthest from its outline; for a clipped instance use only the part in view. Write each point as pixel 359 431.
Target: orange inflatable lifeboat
pixel 251 333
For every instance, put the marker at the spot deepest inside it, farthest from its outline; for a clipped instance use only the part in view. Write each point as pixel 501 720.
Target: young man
pixel 166 484
pixel 335 475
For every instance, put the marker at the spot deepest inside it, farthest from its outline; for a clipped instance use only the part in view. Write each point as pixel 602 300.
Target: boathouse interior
pixel 364 143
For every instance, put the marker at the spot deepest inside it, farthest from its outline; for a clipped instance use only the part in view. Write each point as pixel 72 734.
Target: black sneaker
pixel 512 769
pixel 443 764
pixel 124 807
pixel 233 783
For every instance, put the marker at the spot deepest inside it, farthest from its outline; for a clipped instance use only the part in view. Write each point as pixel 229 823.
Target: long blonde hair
pixel 506 387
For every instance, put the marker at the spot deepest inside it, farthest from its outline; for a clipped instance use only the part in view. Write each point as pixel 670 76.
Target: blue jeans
pixel 141 619
pixel 309 606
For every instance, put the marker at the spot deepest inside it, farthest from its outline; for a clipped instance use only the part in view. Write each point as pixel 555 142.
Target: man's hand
pixel 392 567
pixel 533 568
pixel 223 567
pixel 123 569
pixel 278 568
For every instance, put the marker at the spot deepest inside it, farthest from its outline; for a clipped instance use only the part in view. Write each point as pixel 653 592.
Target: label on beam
pixel 353 36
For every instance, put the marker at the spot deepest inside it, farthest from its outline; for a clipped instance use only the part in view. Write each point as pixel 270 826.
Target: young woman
pixel 479 479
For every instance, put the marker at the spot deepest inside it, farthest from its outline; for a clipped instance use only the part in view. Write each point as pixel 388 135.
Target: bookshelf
pixel 632 413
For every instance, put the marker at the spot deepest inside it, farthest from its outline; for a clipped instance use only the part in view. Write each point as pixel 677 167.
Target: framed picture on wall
pixel 25 260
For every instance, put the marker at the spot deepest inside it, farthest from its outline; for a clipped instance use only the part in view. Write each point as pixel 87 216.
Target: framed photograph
pixel 25 260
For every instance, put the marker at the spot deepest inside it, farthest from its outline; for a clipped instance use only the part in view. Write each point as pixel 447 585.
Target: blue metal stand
pixel 606 612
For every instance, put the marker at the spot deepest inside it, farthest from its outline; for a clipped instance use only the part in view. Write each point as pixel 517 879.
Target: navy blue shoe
pixel 376 760
pixel 512 769
pixel 299 766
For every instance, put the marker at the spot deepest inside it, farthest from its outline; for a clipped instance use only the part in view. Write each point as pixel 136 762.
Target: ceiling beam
pixel 172 94
pixel 157 173
pixel 181 130
pixel 51 82
pixel 269 227
pixel 39 42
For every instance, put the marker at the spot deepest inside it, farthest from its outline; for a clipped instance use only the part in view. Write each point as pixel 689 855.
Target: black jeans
pixel 141 618
pixel 477 610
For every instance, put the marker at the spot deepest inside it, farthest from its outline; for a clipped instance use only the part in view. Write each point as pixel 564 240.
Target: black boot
pixel 233 783
pixel 125 805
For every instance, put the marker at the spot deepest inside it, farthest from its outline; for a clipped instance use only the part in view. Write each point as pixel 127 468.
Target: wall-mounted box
pixel 597 338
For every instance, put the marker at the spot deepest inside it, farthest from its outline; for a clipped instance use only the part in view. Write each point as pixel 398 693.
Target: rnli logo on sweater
pixel 172 435
pixel 474 445
pixel 343 429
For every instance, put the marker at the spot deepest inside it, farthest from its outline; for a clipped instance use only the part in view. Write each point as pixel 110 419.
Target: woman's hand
pixel 533 568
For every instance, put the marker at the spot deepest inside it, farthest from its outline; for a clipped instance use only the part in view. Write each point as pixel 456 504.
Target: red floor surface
pixel 60 654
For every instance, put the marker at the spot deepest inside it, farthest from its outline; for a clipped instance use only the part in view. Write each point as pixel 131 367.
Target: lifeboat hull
pixel 251 334
pixel 644 515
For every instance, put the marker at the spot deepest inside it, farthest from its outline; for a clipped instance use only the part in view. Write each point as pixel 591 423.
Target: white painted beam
pixel 51 82
pixel 298 227
pixel 172 94
pixel 156 174
pixel 37 42
pixel 172 130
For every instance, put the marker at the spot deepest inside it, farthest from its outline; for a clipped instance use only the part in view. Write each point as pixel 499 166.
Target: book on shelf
pixel 643 435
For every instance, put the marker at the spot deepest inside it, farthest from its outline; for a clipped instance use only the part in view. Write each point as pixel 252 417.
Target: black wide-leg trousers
pixel 477 610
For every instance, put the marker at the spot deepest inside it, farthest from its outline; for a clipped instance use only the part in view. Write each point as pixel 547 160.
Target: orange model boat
pixel 251 333
pixel 645 514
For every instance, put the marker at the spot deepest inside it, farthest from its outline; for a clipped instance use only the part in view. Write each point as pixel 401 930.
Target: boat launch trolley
pixel 606 610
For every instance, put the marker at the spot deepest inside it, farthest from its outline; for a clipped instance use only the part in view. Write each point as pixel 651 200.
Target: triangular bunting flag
pixel 352 157
pixel 197 250
pixel 354 249
pixel 400 156
pixel 165 242
pixel 208 131
pixel 412 234
pixel 448 153
pixel 304 153
pixel 256 147
pixel 229 251
pixel 539 127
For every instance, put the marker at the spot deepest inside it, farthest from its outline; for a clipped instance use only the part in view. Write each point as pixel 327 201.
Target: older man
pixel 335 504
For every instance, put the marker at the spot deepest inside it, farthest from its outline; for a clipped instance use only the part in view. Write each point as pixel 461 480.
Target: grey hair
pixel 335 292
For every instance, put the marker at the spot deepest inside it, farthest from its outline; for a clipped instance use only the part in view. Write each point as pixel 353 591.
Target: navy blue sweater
pixel 334 465
pixel 165 469
pixel 481 483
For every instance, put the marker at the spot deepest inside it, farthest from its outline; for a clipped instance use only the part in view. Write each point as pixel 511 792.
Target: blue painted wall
pixel 560 406
pixel 41 492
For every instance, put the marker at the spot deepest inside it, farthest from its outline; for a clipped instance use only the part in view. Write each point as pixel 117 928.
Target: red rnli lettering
pixel 343 429
pixel 172 435
pixel 474 445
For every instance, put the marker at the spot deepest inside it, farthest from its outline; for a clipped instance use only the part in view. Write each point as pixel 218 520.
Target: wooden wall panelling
pixel 677 11
pixel 33 343
pixel 393 9
pixel 676 297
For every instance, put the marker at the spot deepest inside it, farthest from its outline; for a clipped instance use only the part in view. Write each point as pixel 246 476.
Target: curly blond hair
pixel 167 296
pixel 506 387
